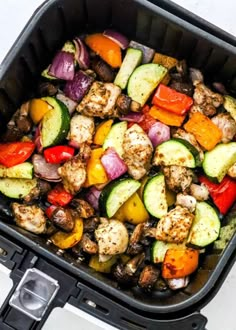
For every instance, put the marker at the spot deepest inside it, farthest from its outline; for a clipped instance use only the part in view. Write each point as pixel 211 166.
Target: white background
pixel 13 16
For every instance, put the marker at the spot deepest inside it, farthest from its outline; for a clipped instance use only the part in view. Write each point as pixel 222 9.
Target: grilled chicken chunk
pixel 137 151
pixel 73 174
pixel 178 178
pixel 174 227
pixel 100 100
pixel 82 129
pixel 187 201
pixel 227 125
pixel 199 192
pixel 29 217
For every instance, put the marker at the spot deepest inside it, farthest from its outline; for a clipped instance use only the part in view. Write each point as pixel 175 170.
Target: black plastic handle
pixel 18 260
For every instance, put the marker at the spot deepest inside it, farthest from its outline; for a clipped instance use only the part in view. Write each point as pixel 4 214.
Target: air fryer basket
pixel 51 25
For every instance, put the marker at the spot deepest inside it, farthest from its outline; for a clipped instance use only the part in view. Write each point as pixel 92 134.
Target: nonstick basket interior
pixel 54 23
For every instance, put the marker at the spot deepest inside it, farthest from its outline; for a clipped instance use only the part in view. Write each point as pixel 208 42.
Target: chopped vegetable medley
pixel 125 158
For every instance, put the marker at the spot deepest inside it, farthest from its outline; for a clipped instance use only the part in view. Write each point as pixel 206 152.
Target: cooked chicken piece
pixel 206 101
pixel 112 237
pixel 178 178
pixel 137 151
pixel 174 227
pixel 182 134
pixel 232 171
pixel 227 125
pixel 73 174
pixel 148 277
pixel 82 129
pixel 83 208
pixel 200 192
pixel 100 100
pixel 186 201
pixel 29 217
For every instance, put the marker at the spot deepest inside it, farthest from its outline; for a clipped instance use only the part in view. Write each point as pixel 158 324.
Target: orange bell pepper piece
pixel 107 49
pixel 179 263
pixel 166 117
pixel 207 134
pixel 96 173
pixel 101 132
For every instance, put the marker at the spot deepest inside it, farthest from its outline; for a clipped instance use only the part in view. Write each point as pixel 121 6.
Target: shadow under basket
pixel 51 25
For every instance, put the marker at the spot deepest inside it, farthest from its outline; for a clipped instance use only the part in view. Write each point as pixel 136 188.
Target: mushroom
pixel 112 237
pixel 148 277
pixel 102 69
pixel 88 245
pixel 139 237
pixel 46 89
pixel 123 104
pixel 63 219
pixel 124 274
pixel 83 208
pixel 90 225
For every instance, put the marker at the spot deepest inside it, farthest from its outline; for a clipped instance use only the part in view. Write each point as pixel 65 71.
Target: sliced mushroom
pixel 102 69
pixel 83 208
pixel 46 89
pixel 148 277
pixel 88 245
pixel 90 225
pixel 63 219
pixel 39 191
pixel 112 237
pixel 123 104
pixel 133 264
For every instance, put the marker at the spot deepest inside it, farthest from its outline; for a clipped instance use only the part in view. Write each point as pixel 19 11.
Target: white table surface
pixel 13 16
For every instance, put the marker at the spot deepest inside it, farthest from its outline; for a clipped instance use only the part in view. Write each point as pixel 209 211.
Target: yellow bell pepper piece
pixel 102 267
pixel 170 197
pixel 37 109
pixel 143 183
pixel 96 173
pixel 101 132
pixel 133 211
pixel 68 240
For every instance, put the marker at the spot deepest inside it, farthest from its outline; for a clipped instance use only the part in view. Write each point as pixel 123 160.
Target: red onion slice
pixel 78 87
pixel 133 117
pixel 117 37
pixel 92 197
pixel 113 164
pixel 37 139
pixel 159 133
pixel 62 66
pixel 81 54
pixel 44 170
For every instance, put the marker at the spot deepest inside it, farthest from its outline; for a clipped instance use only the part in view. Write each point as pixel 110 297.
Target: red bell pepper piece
pixel 49 211
pixel 171 100
pixel 147 121
pixel 15 153
pixel 223 194
pixel 59 196
pixel 58 154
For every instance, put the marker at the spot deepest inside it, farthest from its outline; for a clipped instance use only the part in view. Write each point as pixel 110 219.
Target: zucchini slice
pixel 116 194
pixel 115 138
pixel 154 196
pixel 206 226
pixel 55 123
pixel 132 59
pixel 144 80
pixel 176 152
pixel 20 171
pixel 159 248
pixel 217 161
pixel 17 188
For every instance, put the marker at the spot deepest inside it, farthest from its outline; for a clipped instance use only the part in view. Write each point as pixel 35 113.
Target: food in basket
pixel 126 159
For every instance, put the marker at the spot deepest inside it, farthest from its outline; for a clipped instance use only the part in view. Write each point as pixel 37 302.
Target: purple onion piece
pixel 133 117
pixel 37 139
pixel 113 164
pixel 44 170
pixel 220 88
pixel 92 197
pixel 158 133
pixel 78 87
pixel 62 66
pixel 81 54
pixel 178 283
pixel 117 37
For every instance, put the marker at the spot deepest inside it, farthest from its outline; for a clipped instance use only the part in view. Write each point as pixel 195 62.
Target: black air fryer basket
pixel 51 25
